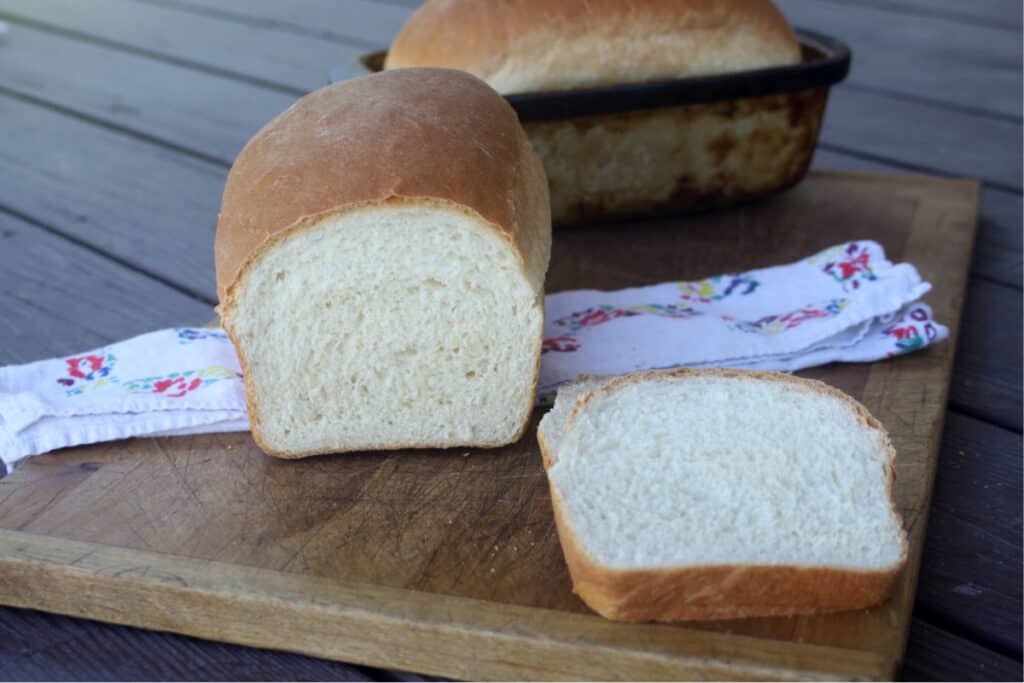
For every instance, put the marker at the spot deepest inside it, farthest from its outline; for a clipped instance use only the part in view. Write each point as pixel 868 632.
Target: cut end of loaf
pixel 399 324
pixel 721 494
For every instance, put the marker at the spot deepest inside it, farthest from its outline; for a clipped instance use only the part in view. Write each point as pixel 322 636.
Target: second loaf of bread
pixel 542 45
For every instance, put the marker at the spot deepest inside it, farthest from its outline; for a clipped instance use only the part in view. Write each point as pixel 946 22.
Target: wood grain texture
pixel 1004 14
pixel 900 57
pixel 988 379
pixel 998 251
pixel 36 646
pixel 927 137
pixel 363 22
pixel 363 623
pixel 58 298
pixel 410 560
pixel 251 53
pixel 971 572
pixel 937 655
pixel 208 114
pixel 149 206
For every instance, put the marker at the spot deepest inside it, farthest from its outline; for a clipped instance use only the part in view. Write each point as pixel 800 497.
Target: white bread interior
pixel 658 476
pixel 389 325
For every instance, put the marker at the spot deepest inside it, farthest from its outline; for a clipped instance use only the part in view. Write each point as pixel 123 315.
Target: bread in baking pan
pixel 521 46
pixel 677 159
pixel 380 253
pixel 717 494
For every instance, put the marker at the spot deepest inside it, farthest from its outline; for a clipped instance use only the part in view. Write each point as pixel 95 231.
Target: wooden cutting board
pixel 447 562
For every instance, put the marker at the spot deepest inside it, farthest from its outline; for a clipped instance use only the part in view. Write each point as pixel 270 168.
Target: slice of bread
pixel 717 494
pixel 381 253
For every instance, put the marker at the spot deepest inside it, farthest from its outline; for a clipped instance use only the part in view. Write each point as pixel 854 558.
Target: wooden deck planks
pixel 971 571
pixel 924 137
pixel 937 655
pixel 987 379
pixel 207 114
pixel 57 297
pixel 150 206
pixel 255 54
pixel 40 646
pixel 929 58
pixel 367 23
pixel 1004 14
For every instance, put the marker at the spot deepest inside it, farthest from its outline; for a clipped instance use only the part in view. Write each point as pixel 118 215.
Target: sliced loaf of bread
pixel 716 494
pixel 380 253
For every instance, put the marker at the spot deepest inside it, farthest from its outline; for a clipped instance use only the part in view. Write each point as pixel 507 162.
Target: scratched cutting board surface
pixel 447 562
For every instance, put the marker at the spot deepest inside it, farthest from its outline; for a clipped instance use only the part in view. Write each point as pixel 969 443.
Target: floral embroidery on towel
pixel 560 344
pixel 717 288
pixel 599 315
pixel 178 384
pixel 187 335
pixel 913 334
pixel 776 324
pixel 88 372
pixel 700 292
pixel 852 267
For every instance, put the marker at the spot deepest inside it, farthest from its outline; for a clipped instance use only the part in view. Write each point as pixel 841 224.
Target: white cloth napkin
pixel 177 381
pixel 847 303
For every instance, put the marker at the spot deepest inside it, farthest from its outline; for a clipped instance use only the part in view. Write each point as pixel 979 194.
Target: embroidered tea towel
pixel 847 303
pixel 176 381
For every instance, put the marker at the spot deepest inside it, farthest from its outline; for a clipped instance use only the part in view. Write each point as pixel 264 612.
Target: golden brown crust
pixel 719 591
pixel 539 45
pixel 429 135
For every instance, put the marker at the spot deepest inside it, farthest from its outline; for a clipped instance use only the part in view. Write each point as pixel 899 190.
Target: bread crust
pixel 429 137
pixel 538 45
pixel 426 135
pixel 720 591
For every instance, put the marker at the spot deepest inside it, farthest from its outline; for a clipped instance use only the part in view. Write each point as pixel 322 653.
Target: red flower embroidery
pixel 853 268
pixel 795 318
pixel 560 344
pixel 904 332
pixel 179 385
pixel 83 367
pixel 859 264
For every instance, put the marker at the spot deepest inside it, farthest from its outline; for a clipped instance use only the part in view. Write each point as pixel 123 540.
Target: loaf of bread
pixel 721 494
pixel 380 253
pixel 546 45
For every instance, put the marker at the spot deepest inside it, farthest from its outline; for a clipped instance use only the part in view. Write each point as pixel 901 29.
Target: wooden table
pixel 119 119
